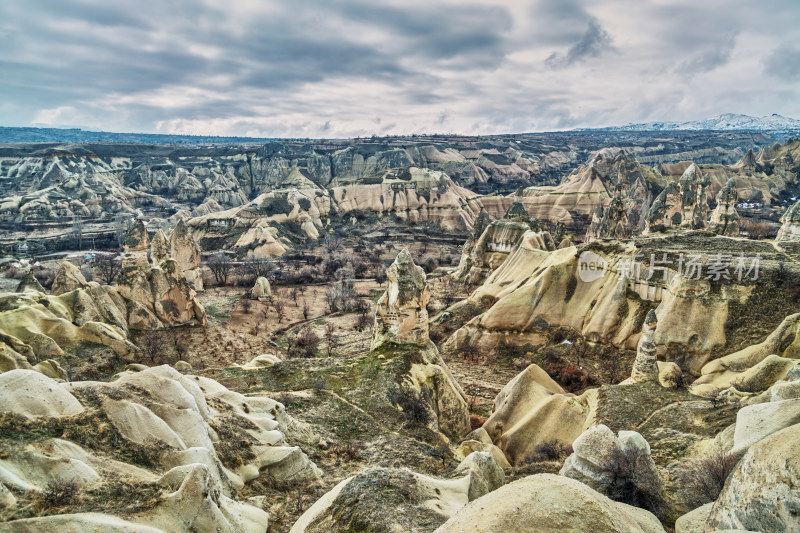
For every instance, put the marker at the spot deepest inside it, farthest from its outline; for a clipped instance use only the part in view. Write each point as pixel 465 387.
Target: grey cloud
pixel 783 62
pixel 712 57
pixel 594 42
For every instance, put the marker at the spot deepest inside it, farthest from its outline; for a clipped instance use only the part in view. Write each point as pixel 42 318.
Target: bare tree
pixel 221 268
pixel 330 337
pixel 306 310
pixel 279 306
pixel 150 344
pixel 258 266
pixel 107 267
pixel 246 305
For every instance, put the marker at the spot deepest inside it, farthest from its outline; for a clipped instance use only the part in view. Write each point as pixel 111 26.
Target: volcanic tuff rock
pixel 535 290
pixel 401 329
pixel 645 367
pixel 681 204
pixel 598 457
pixel 157 296
pixel 546 502
pixel 485 251
pixel 790 230
pixel 725 219
pixel 196 444
pixel 389 500
pixel 401 315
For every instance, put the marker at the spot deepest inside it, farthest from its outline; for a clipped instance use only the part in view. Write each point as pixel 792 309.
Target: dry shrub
pixel 476 421
pixel 704 478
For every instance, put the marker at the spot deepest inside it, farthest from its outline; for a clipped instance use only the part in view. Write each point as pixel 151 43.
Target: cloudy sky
pixel 331 68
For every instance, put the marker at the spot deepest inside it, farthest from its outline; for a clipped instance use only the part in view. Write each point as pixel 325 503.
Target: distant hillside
pixel 75 135
pixel 724 122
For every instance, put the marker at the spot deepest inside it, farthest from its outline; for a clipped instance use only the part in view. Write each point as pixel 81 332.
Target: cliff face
pixel 535 290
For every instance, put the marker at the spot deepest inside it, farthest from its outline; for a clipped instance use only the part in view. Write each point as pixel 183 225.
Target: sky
pixel 347 68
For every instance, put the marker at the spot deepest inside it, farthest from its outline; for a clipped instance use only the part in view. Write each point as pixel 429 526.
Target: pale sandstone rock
pixel 790 230
pixel 262 361
pixel 484 472
pixel 30 284
pixel 401 315
pixel 159 248
pixel 762 493
pixel 725 219
pixel 670 374
pixel 755 422
pixel 68 278
pixel 261 289
pixel 596 457
pixel 645 367
pixel 31 394
pixel 694 521
pixel 427 501
pixel 546 502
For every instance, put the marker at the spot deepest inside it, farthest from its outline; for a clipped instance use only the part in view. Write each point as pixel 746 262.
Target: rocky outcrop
pixel 29 283
pixel 157 296
pixel 401 335
pixel 606 462
pixel 485 251
pixel 682 204
pixel 762 493
pixel 610 222
pixel 34 327
pixel 605 289
pixel 546 502
pixel 401 315
pixel 532 410
pixel 725 219
pixel 196 444
pixel 387 500
pixel 261 289
pixel 67 279
pixel 790 229
pixel 645 367
pixel 781 346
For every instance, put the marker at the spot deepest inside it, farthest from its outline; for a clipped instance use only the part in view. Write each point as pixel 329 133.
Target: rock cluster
pixel 197 444
pixel 682 204
pixel 604 461
pixel 159 296
pixel 610 222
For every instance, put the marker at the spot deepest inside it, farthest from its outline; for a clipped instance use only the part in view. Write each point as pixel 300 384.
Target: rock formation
pixel 195 440
pixel 546 502
pixel 261 289
pixel 401 315
pixel 159 248
pixel 645 366
pixel 68 278
pixel 486 251
pixel 400 500
pixel 158 296
pixel 682 204
pixel 401 336
pixel 29 283
pixel 725 219
pixel 601 460
pixel 790 229
pixel 535 290
pixel 611 222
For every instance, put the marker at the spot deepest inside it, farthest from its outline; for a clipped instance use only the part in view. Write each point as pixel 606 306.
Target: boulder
pixel 670 374
pixel 485 474
pixel 68 278
pixel 604 461
pixel 546 502
pixel 30 284
pixel 262 361
pixel 694 521
pixel 384 500
pixel 763 493
pixel 755 422
pixel 261 289
pixel 31 394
